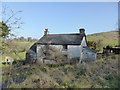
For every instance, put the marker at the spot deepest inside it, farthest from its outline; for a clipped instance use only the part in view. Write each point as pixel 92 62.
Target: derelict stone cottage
pixel 70 45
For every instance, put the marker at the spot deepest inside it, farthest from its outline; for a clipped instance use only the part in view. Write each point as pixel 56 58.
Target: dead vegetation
pixel 102 73
pixel 54 54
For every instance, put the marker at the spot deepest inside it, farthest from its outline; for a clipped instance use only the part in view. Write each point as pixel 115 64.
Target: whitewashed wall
pixel 83 43
pixel 73 51
pixel 59 47
pixel 40 48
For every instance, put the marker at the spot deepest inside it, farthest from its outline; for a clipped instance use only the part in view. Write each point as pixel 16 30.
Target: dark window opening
pixel 65 47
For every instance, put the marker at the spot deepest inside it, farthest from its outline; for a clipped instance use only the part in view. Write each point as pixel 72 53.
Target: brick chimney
pixel 46 32
pixel 82 31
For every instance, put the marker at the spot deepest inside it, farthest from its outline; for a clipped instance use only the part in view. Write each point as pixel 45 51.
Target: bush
pixel 3 63
pixel 74 61
pixel 44 69
pixel 53 65
pixel 69 67
pixel 53 53
pixel 18 63
pixel 94 45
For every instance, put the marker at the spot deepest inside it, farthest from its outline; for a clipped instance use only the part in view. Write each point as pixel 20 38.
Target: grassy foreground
pixel 102 73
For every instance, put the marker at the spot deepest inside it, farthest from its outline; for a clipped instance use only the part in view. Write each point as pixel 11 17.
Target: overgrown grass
pixel 102 73
pixel 19 56
pixel 15 49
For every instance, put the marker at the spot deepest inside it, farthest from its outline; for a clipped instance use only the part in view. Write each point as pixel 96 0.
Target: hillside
pixel 15 48
pixel 105 38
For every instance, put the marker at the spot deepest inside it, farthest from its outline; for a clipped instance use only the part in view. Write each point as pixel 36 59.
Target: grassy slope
pixel 106 38
pixel 18 45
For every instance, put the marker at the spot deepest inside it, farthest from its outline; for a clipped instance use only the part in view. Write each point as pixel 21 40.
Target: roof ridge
pixel 60 39
pixel 65 34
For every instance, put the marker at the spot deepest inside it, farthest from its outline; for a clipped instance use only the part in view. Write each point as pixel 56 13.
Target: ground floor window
pixel 65 47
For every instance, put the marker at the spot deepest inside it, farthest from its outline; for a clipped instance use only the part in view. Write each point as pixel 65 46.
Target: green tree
pixel 4 30
pixel 29 39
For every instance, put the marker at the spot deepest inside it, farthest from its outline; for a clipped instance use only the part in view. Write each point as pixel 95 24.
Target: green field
pixel 110 38
pixel 20 47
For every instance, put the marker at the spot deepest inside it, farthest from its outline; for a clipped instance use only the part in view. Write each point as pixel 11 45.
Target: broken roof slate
pixel 61 39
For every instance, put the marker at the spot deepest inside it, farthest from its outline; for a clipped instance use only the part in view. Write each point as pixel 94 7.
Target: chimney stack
pixel 46 32
pixel 82 31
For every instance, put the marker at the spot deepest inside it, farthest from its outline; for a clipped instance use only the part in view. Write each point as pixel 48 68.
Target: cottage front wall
pixel 40 50
pixel 73 51
pixel 58 47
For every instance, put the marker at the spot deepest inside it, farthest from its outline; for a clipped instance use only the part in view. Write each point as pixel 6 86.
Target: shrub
pixel 17 63
pixel 3 63
pixel 53 65
pixel 69 67
pixel 53 53
pixel 94 45
pixel 74 61
pixel 44 69
pixel 68 85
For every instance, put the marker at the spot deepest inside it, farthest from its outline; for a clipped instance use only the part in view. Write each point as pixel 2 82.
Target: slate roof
pixel 61 39
pixel 32 49
pixel 89 50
